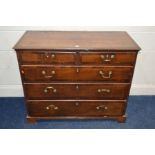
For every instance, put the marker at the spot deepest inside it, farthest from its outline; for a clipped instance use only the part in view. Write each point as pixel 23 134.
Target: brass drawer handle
pixel 43 72
pixel 46 55
pixel 48 76
pixel 103 90
pixel 46 90
pixel 107 57
pixel 103 107
pixel 103 74
pixel 52 107
pixel 52 56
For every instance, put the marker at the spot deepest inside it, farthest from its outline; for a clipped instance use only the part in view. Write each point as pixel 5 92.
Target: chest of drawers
pixel 68 75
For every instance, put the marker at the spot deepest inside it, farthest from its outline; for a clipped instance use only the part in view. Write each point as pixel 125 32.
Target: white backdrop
pixel 144 77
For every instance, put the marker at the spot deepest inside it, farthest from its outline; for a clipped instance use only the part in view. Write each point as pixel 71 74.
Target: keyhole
pixel 77 87
pixel 77 104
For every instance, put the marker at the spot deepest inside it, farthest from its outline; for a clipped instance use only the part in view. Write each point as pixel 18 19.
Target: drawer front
pixel 108 58
pixel 103 91
pixel 80 91
pixel 49 74
pixel 50 91
pixel 46 58
pixel 75 108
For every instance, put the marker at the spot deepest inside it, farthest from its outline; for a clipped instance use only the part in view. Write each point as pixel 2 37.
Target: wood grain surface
pixel 69 40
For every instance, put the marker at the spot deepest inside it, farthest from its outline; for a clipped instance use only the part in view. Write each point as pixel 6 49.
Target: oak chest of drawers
pixel 76 74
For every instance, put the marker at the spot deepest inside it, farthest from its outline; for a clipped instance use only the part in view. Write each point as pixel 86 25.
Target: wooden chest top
pixel 77 40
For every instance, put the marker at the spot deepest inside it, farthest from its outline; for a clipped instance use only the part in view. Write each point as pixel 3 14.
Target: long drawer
pixel 75 108
pixel 49 74
pixel 74 91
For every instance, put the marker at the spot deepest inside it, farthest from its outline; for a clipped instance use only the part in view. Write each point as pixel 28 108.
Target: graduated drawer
pixel 109 58
pixel 75 108
pixel 49 74
pixel 30 57
pixel 73 91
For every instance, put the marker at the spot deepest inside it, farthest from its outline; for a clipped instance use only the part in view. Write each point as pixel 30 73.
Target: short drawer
pixel 75 108
pixel 49 74
pixel 74 91
pixel 50 91
pixel 46 57
pixel 109 58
